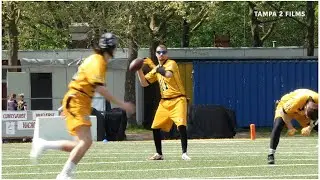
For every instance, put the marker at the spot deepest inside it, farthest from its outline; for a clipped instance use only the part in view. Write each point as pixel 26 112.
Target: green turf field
pixel 296 158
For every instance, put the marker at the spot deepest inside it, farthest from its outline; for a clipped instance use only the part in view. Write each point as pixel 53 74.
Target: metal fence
pixel 250 88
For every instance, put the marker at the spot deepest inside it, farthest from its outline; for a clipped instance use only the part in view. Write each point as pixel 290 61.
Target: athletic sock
pixel 157 140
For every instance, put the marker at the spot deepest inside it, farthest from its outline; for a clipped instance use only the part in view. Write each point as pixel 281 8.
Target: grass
pixel 296 158
pixel 136 129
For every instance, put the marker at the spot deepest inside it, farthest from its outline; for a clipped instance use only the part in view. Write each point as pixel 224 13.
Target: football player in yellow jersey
pixel 302 105
pixel 76 104
pixel 173 103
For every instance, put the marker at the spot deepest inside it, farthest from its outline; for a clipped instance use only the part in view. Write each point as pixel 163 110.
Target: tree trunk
pixel 158 31
pixel 130 91
pixel 256 41
pixel 13 35
pixel 185 34
pixel 310 28
pixel 154 42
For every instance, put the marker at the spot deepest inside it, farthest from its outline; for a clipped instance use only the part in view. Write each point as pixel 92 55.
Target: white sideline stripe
pixel 234 140
pixel 249 143
pixel 146 161
pixel 175 152
pixel 238 177
pixel 172 145
pixel 211 148
pixel 171 169
pixel 177 149
pixel 46 156
pixel 106 157
pixel 213 141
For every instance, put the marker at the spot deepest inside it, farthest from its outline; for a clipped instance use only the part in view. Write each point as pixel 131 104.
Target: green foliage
pixel 228 17
pixel 45 25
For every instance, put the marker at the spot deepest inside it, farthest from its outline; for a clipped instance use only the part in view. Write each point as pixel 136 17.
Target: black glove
pixel 161 71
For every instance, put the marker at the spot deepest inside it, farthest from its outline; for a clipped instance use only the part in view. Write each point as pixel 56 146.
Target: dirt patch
pixel 139 136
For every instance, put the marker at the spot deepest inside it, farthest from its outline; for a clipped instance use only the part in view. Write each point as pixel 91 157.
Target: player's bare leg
pixel 84 143
pixel 274 138
pixel 39 146
pixel 184 141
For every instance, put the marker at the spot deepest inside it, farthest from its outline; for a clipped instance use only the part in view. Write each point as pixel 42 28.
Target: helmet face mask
pixel 108 43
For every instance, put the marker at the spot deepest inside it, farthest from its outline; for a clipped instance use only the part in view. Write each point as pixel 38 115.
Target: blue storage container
pixel 251 87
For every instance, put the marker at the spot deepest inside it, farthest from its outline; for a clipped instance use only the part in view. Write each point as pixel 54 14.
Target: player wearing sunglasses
pixel 173 104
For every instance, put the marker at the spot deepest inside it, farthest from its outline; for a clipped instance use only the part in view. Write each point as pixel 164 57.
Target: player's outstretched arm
pixel 142 79
pixel 129 107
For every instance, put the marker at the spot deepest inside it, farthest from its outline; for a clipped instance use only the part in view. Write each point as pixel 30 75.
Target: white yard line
pixel 145 161
pixel 279 176
pixel 138 157
pixel 178 149
pixel 170 152
pixel 164 169
pixel 211 148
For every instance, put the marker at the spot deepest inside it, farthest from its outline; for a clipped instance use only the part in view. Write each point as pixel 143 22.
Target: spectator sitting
pixel 12 103
pixel 22 105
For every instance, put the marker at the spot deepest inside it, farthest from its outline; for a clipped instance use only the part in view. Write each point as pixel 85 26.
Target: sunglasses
pixel 161 52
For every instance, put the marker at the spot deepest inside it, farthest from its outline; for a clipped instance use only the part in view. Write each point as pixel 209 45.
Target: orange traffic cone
pixel 252 131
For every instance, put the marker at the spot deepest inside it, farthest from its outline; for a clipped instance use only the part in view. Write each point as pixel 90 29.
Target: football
pixel 136 64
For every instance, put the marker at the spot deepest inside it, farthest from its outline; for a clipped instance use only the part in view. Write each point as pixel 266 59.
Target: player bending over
pixel 77 106
pixel 302 105
pixel 173 103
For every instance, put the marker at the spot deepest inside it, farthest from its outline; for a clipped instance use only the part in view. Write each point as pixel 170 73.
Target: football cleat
pixel 185 157
pixel 270 159
pixel 156 156
pixel 63 177
pixel 37 149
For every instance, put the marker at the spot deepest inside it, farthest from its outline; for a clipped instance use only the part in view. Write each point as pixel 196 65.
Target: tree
pixel 255 25
pixel 223 18
pixel 158 26
pixel 45 25
pixel 309 24
pixel 130 90
pixel 192 15
pixel 11 17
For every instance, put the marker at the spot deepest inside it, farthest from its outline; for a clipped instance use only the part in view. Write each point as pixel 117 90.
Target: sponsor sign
pixel 14 115
pixel 36 114
pixel 10 129
pixel 26 125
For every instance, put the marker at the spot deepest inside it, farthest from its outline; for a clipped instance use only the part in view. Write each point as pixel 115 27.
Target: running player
pixel 76 104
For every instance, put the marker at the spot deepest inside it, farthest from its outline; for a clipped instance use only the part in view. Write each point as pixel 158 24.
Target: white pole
pixel 139 102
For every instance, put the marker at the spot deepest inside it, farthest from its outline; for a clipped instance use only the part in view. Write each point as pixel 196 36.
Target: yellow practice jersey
pixel 149 62
pixel 169 87
pixel 90 73
pixel 294 102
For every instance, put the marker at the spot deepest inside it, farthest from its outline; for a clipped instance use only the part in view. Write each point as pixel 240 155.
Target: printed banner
pixel 36 114
pixel 10 129
pixel 14 115
pixel 26 125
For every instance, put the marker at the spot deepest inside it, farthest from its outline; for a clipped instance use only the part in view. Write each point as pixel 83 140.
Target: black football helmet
pixel 108 42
